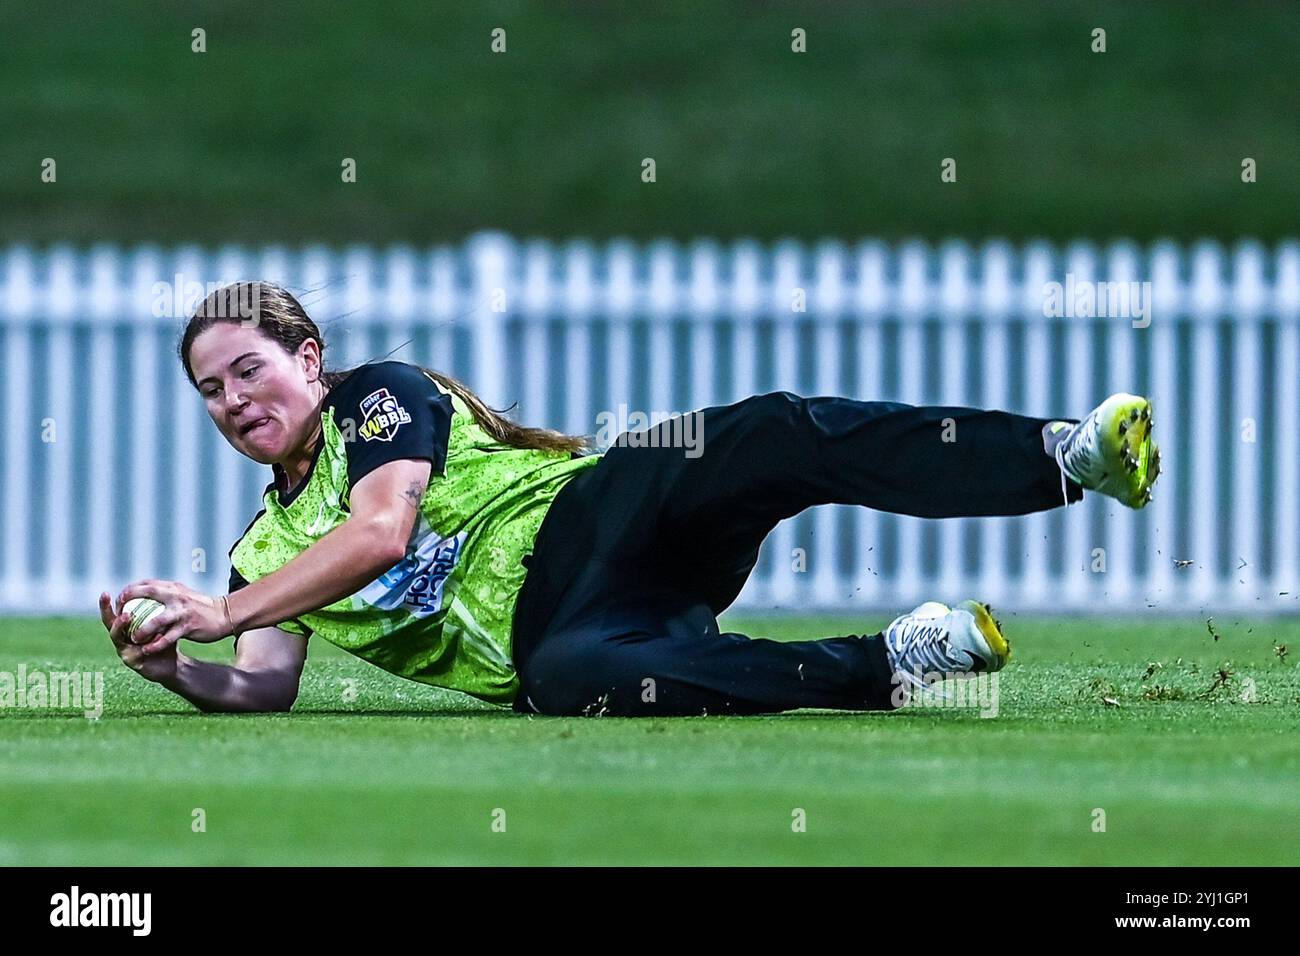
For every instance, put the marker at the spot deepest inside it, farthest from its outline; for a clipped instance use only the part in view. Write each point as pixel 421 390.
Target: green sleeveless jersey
pixel 442 615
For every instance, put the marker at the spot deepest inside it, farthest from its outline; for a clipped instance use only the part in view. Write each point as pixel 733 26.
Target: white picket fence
pixel 110 470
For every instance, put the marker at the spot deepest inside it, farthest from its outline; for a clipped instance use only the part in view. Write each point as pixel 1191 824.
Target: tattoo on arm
pixel 413 494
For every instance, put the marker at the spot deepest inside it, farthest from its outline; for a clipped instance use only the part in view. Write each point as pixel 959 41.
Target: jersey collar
pixel 287 498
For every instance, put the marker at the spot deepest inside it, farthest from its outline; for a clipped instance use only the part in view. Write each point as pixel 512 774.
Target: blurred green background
pixel 244 142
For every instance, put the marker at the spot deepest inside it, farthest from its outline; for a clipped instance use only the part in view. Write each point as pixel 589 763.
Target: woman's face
pixel 262 398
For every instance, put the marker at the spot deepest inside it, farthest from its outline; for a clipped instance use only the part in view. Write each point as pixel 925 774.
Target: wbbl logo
pixel 381 416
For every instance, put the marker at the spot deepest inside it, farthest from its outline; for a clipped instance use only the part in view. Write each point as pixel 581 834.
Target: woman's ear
pixel 309 354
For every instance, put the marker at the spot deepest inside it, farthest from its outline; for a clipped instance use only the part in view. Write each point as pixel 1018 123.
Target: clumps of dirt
pixel 1173 682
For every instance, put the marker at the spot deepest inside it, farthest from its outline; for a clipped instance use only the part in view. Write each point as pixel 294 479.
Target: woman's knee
pixel 569 676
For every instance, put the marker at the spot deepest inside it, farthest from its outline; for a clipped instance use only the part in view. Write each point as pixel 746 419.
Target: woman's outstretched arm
pixel 384 504
pixel 384 507
pixel 265 676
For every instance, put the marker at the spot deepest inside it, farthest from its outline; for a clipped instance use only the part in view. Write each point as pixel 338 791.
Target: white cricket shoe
pixel 937 640
pixel 1110 451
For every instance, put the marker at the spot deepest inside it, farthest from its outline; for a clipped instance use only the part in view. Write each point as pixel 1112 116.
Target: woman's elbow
pixel 259 705
pixel 388 542
pixel 282 698
pixel 272 697
pixel 272 705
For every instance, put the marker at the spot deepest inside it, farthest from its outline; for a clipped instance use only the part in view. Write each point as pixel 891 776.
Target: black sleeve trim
pixel 396 412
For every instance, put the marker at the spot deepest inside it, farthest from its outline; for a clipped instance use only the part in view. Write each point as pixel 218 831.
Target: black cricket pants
pixel 639 554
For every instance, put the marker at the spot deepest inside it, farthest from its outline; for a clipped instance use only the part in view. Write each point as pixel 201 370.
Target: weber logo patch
pixel 381 416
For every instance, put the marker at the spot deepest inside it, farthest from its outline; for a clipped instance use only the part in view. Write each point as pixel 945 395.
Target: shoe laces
pixel 1075 450
pixel 1060 463
pixel 922 648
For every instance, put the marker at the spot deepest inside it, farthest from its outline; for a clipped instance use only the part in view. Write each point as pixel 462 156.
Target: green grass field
pixel 1188 767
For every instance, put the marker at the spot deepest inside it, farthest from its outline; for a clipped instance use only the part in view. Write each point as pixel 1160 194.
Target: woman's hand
pixel 155 667
pixel 186 615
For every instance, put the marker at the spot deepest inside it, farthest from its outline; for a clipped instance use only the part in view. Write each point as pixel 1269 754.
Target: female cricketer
pixel 416 528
